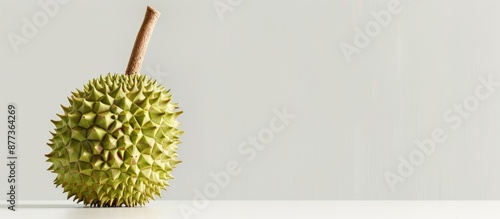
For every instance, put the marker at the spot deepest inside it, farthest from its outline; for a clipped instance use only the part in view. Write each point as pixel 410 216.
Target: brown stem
pixel 142 40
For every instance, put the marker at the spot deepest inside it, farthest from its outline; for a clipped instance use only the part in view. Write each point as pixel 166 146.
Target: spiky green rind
pixel 115 144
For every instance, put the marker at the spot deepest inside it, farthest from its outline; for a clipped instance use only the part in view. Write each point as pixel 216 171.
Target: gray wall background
pixel 353 119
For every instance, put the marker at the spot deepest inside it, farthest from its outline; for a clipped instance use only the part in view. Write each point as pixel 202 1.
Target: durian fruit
pixel 115 144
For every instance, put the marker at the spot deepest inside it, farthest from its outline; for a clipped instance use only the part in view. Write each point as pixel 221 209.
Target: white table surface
pixel 264 209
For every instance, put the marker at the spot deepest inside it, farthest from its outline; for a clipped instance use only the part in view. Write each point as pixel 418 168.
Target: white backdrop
pixel 321 99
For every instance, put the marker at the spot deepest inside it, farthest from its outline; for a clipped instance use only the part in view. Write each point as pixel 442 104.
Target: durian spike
pixel 142 41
